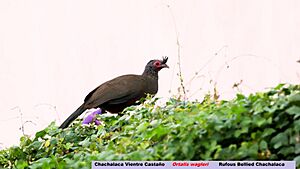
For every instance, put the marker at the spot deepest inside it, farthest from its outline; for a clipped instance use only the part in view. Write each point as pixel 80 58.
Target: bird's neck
pixel 150 73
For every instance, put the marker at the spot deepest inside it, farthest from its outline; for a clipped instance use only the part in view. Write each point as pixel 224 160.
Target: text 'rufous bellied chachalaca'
pixel 123 91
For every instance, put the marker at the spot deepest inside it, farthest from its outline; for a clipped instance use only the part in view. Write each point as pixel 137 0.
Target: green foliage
pixel 262 126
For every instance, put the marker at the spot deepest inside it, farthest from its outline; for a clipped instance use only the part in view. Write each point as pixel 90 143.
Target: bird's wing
pixel 87 97
pixel 115 91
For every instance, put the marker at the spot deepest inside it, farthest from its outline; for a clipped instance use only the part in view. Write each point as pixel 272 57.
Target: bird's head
pixel 157 65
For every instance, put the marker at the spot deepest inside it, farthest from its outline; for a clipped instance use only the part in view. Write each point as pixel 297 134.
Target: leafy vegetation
pixel 261 126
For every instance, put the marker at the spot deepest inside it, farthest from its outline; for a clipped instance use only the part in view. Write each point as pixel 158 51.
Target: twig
pixel 237 84
pixel 49 105
pixel 29 121
pixel 207 63
pixel 21 117
pixel 247 55
pixel 178 53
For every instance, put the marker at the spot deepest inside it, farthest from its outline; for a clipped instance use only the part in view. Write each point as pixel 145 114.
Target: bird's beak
pixel 164 66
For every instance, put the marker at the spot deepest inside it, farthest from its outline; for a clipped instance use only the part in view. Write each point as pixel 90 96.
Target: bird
pixel 121 92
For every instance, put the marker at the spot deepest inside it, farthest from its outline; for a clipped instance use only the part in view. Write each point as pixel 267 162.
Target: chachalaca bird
pixel 123 91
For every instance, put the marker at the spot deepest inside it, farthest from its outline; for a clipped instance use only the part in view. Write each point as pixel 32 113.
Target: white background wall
pixel 54 52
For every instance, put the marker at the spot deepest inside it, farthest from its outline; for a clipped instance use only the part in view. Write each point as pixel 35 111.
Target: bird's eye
pixel 157 63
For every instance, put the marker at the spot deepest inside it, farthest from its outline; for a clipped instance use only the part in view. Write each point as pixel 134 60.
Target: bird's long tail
pixel 72 117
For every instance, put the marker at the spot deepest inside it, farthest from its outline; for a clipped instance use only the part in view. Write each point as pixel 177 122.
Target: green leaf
pixel 36 145
pixel 297 125
pixel 279 86
pixel 69 145
pixel 287 150
pixel 154 123
pixel 253 150
pixel 263 145
pixel 279 140
pixel 297 148
pixel 294 110
pixel 160 131
pixel 40 134
pixel 260 121
pixel 22 164
pixel 295 98
pixel 297 159
pixel 84 143
pixel 142 127
pixel 267 132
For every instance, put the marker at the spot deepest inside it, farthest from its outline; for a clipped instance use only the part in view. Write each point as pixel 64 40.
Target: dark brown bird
pixel 123 91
